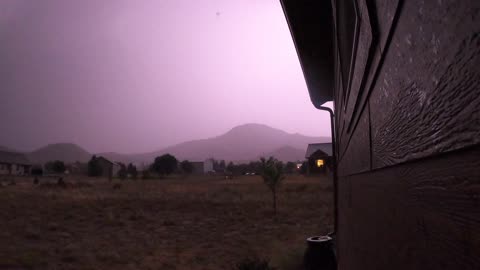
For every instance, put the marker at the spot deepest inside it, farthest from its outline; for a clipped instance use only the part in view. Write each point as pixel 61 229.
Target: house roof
pixel 311 27
pixel 314 147
pixel 108 160
pixel 13 158
pixel 197 162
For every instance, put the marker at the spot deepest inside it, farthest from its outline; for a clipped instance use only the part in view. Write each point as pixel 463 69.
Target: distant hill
pixel 124 158
pixel 66 152
pixel 287 153
pixel 245 142
pixel 6 149
pixel 242 143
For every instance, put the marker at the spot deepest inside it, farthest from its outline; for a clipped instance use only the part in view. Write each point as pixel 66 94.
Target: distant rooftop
pixel 13 158
pixel 314 147
pixel 108 160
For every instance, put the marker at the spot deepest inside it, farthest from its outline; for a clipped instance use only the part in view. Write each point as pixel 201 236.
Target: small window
pixel 320 163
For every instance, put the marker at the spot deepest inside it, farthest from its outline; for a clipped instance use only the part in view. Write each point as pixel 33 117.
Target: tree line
pixel 271 170
pixel 164 165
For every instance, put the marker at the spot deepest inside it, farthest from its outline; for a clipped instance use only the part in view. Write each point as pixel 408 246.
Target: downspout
pixel 335 177
pixel 322 251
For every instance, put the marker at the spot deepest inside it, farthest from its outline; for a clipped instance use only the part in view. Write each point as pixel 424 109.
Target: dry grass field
pixel 205 223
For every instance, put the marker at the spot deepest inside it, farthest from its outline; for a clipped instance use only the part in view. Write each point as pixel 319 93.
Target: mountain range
pixel 242 143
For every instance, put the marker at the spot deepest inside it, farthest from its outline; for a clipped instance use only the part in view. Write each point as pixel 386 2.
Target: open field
pixel 159 224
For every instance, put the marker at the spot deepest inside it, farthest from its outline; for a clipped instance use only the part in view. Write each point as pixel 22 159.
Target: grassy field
pixel 188 223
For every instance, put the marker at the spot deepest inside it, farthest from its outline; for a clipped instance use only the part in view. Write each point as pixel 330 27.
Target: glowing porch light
pixel 319 162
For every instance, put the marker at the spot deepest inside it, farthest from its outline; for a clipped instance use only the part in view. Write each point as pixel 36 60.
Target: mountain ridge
pixel 66 152
pixel 244 142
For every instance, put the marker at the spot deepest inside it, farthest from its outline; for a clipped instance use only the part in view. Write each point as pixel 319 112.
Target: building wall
pixel 115 169
pixel 14 169
pixel 312 164
pixel 107 168
pixel 4 169
pixel 208 165
pixel 408 129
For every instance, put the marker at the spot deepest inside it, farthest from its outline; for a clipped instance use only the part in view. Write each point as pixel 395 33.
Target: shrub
pixel 56 166
pixel 132 171
pixel 122 173
pixel 303 168
pixel 290 167
pixel 186 166
pixel 165 165
pixel 273 175
pixel 37 171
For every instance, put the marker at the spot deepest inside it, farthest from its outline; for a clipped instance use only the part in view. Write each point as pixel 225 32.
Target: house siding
pixel 4 169
pixel 109 169
pixel 408 137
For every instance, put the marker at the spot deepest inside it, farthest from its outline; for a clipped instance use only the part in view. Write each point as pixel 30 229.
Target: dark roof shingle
pixel 314 147
pixel 14 158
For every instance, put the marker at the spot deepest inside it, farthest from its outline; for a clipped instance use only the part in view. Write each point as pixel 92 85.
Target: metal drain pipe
pixel 335 176
pixel 321 251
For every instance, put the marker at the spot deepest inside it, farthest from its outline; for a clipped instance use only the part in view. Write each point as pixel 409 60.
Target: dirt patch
pixel 157 224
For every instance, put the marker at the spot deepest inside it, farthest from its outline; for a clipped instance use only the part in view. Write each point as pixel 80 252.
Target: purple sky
pixel 135 76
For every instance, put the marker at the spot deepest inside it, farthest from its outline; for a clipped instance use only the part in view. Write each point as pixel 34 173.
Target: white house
pixel 12 163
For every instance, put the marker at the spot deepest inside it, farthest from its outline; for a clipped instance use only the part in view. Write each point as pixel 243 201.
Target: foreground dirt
pixel 159 224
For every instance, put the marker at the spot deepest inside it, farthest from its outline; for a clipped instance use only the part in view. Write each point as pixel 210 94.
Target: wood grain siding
pixel 382 15
pixel 427 98
pixel 375 29
pixel 418 215
pixel 357 157
pixel 407 124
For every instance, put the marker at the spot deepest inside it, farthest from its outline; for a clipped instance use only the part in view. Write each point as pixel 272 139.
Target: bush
pixel 165 165
pixel 56 166
pixel 37 171
pixel 303 168
pixel 186 166
pixel 290 167
pixel 132 171
pixel 122 173
pixel 273 175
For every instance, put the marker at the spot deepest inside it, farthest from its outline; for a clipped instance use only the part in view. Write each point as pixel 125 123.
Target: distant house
pixel 12 163
pixel 318 157
pixel 109 168
pixel 202 167
pixel 208 166
pixel 78 168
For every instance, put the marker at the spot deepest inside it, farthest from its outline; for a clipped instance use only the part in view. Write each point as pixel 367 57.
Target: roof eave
pixel 311 27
